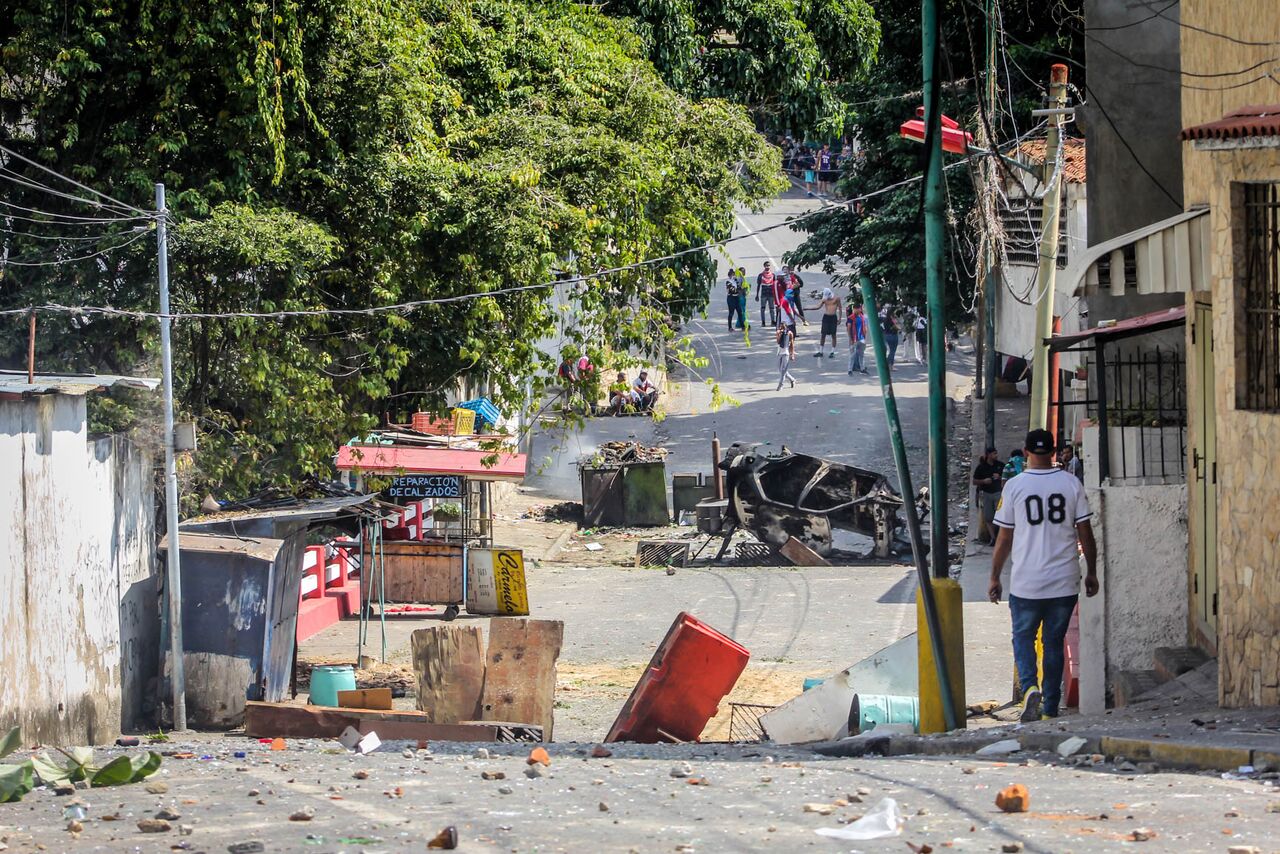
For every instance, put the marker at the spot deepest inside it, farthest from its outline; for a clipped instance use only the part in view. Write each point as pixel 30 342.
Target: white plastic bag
pixel 884 820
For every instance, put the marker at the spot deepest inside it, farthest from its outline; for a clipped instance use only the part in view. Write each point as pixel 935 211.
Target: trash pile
pixel 617 453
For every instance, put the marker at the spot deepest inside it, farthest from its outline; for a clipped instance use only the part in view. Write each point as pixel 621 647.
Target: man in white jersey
pixel 1043 513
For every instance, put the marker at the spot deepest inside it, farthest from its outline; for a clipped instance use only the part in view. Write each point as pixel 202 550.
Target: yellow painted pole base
pixel 950 602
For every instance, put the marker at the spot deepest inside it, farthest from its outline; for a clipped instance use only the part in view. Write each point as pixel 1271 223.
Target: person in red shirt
pixel 767 294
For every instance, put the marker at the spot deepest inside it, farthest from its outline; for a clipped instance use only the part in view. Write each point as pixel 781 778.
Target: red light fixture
pixel 954 140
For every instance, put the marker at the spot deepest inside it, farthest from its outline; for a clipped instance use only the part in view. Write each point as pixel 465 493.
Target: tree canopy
pixel 346 154
pixel 885 233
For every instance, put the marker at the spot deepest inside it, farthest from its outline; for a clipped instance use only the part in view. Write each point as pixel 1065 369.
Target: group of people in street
pixel 779 297
pixel 580 381
pixel 639 396
pixel 991 476
pixel 818 168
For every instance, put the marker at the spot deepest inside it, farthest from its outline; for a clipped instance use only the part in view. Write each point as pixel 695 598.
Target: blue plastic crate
pixel 483 408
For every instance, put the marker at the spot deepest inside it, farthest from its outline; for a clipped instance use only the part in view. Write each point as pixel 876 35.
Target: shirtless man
pixel 830 321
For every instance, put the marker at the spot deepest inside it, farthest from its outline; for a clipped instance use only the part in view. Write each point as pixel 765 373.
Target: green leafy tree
pixel 884 234
pixel 785 59
pixel 341 155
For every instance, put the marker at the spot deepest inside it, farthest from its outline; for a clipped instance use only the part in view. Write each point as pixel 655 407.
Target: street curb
pixel 1167 754
pixel 555 547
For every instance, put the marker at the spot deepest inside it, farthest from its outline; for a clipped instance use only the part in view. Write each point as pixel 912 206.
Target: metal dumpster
pixel 625 495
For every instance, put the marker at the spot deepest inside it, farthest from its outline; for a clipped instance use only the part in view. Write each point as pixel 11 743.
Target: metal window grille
pixel 1259 382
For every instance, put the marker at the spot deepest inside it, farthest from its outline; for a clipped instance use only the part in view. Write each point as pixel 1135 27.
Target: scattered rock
pixel 1126 767
pixel 1014 798
pixel 1231 813
pixel 157 788
pixel 820 809
pixel 253 793
pixel 168 815
pixel 446 839
pixel 922 811
pixel 74 826
pixel 1000 748
pixel 600 752
pixel 153 825
pixel 185 830
pixel 64 789
pixel 492 775
pixel 361 774
pixel 481 753
pixel 407 753
pixel 1070 747
pixel 684 769
pixel 766 779
pixel 863 790
pixel 1244 849
pixel 539 756
pixel 533 772
pixel 603 807
pixel 1011 847
pixel 968 769
pixel 504 790
pixel 304 814
pixel 1142 834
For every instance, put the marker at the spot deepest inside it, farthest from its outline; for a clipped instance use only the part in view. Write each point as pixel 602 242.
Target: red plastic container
pixel 1071 672
pixel 694 668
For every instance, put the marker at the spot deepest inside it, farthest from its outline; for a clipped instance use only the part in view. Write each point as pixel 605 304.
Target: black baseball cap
pixel 1040 442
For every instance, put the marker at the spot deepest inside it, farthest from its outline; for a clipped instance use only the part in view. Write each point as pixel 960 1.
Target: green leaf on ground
pixel 12 741
pixel 125 769
pixel 49 771
pixel 15 781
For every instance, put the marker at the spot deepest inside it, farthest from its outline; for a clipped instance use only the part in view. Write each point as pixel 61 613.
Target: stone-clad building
pixel 1231 163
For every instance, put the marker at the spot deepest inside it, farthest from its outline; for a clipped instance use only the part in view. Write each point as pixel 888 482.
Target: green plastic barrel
pixel 871 710
pixel 327 681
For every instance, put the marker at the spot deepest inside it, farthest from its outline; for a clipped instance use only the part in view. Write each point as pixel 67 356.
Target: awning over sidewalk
pixel 1170 256
pixel 393 459
pixel 1142 324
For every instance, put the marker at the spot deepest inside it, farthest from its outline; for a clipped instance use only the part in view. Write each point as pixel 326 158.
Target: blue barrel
pixel 870 710
pixel 327 681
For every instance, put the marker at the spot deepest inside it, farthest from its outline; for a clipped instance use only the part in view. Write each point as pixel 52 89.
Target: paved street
pixel 828 414
pixel 753 799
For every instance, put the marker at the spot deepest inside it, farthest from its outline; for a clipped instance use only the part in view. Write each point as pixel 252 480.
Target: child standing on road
pixel 786 354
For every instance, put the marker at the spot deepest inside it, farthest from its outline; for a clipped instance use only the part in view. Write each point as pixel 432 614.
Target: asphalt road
pixel 749 798
pixel 829 414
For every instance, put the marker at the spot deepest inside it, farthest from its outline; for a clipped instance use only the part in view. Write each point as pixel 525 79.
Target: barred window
pixel 1258 279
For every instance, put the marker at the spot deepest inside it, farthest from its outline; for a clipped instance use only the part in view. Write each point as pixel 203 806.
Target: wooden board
pixel 449 663
pixel 520 680
pixel 281 720
pixel 419 572
pixel 365 698
pixel 800 554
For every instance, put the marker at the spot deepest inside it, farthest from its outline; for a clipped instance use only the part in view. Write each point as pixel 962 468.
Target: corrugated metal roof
pixel 1073 171
pixel 310 508
pixel 1127 328
pixel 1257 120
pixel 15 383
pixel 1170 256
pixel 261 548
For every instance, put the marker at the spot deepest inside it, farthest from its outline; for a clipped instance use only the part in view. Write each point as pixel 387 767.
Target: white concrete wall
pixel 78 626
pixel 1142 559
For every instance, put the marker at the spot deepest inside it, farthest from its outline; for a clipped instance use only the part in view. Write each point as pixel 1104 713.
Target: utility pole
pixel 177 670
pixel 935 288
pixel 992 282
pixel 1049 220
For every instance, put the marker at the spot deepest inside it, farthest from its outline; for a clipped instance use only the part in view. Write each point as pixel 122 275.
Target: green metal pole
pixel 908 502
pixel 935 289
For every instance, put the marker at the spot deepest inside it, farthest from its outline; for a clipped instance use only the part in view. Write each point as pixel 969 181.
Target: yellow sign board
pixel 496 583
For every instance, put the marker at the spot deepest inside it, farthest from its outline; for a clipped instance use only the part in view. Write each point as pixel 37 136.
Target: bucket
pixel 327 681
pixel 870 710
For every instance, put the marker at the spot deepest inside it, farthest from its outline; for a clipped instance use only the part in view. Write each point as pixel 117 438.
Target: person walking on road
pixel 921 337
pixel 733 297
pixel 831 307
pixel 988 476
pixel 745 287
pixel 889 323
pixel 791 284
pixel 1043 514
pixel 786 353
pixel 857 326
pixel 767 293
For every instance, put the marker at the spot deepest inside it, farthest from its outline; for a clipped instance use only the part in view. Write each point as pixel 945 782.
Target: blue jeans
pixel 891 344
pixel 734 304
pixel 1028 616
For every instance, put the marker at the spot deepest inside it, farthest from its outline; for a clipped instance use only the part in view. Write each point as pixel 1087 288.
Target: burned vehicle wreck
pixel 777 496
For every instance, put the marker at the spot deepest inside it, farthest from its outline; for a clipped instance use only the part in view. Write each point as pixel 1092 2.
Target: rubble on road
pixel 617 453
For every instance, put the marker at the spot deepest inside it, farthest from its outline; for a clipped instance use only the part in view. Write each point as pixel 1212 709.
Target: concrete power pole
pixel 1049 223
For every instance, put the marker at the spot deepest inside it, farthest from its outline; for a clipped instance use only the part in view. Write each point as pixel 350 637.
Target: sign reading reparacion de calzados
pixel 415 486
